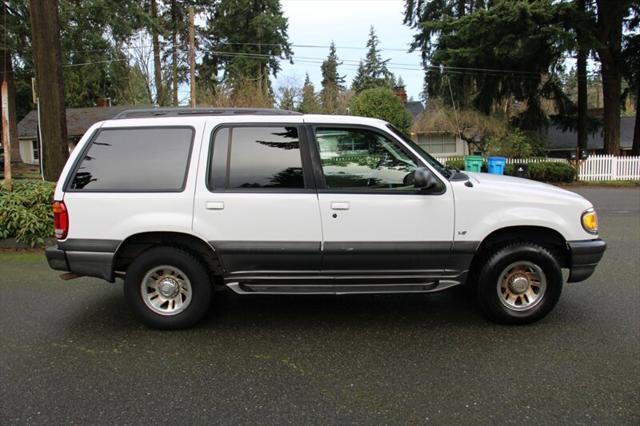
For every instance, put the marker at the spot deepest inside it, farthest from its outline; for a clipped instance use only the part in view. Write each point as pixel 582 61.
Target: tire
pixel 177 286
pixel 519 284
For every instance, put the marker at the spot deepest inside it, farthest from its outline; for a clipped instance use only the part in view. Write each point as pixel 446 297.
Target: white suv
pixel 179 202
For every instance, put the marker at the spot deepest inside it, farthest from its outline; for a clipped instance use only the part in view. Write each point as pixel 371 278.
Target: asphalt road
pixel 71 352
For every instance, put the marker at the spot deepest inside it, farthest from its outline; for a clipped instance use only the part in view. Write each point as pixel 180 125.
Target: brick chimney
pixel 103 102
pixel 401 93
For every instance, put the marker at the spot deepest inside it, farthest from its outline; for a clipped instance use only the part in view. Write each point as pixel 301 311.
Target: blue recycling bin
pixel 496 165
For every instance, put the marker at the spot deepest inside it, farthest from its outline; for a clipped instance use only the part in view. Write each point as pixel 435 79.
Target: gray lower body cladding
pixel 584 257
pixel 92 258
pixel 385 266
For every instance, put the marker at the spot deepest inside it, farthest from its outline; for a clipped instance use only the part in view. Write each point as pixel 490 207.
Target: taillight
pixel 60 219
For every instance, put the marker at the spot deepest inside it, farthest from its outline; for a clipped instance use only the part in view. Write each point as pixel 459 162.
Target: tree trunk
pixel 13 122
pixel 157 70
pixel 635 149
pixel 609 34
pixel 174 52
pixel 48 66
pixel 611 91
pixel 582 84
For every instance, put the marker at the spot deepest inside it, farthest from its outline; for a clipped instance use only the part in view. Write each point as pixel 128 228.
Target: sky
pixel 347 23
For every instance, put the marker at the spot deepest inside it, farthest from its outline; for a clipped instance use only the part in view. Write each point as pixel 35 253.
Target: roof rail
pixel 177 112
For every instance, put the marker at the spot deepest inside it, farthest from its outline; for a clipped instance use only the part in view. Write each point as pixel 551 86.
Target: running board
pixel 340 289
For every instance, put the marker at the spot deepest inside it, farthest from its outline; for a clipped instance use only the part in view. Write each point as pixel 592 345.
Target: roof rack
pixel 177 112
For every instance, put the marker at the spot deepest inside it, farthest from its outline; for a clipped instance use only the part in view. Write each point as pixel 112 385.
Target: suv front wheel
pixel 520 283
pixel 168 288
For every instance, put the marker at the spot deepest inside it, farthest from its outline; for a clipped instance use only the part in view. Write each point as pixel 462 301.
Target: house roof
pixel 559 140
pixel 78 120
pixel 414 107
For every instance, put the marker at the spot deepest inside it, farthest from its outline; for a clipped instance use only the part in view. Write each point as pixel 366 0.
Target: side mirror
pixel 424 180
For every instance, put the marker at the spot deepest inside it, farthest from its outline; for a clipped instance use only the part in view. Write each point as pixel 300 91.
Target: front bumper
pixel 88 263
pixel 584 257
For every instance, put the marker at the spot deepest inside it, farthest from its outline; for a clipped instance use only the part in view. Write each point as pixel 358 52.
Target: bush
pixel 382 103
pixel 25 213
pixel 552 172
pixel 455 164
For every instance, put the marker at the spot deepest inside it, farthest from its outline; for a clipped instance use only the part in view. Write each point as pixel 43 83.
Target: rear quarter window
pixel 151 159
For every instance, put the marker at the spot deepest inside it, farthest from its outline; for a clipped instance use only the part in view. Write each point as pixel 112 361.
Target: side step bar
pixel 340 289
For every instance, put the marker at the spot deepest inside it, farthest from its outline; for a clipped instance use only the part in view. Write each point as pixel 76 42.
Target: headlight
pixel 590 221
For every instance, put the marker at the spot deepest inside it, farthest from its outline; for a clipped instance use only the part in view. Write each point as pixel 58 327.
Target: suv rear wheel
pixel 520 283
pixel 168 288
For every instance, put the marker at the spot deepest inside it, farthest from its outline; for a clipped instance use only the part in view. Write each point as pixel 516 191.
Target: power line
pixel 352 64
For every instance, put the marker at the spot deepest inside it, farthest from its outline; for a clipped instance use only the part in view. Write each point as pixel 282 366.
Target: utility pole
pixel 6 136
pixel 192 56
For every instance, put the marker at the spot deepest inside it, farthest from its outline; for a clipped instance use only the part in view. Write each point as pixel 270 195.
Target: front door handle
pixel 340 205
pixel 214 205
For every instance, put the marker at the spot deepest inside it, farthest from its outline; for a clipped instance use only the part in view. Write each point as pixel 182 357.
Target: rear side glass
pixel 153 159
pixel 218 164
pixel 264 157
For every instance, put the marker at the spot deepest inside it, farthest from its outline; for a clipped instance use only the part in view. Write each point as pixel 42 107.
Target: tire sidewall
pixel 192 268
pixel 489 298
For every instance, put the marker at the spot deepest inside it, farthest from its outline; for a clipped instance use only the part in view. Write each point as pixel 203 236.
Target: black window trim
pixel 94 136
pixel 319 173
pixel 305 160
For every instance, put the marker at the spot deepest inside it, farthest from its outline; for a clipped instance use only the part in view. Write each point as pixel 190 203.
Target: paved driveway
pixel 72 352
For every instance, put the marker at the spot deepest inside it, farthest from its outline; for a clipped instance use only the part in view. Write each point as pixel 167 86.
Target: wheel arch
pixel 135 244
pixel 546 237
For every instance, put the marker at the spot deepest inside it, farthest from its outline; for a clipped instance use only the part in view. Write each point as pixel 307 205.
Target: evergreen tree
pixel 527 37
pixel 245 40
pixel 309 103
pixel 373 72
pixel 332 82
pixel 382 103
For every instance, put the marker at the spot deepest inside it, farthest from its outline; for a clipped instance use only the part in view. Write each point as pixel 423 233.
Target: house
pixel 78 121
pixel 561 142
pixel 432 142
pixel 441 143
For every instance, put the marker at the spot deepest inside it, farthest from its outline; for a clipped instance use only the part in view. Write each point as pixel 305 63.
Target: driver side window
pixel 362 159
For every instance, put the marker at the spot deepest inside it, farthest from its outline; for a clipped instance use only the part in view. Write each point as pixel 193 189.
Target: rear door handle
pixel 214 205
pixel 340 205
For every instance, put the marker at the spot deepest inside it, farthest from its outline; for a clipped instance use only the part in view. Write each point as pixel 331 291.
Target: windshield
pixel 424 154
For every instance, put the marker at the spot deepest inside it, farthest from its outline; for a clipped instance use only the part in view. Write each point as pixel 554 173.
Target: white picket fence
pixel 594 168
pixel 609 167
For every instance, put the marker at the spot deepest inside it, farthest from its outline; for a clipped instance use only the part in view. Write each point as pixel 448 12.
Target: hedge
pixel 545 171
pixel 25 213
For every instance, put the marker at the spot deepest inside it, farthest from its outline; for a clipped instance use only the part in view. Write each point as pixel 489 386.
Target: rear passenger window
pixel 136 159
pixel 256 157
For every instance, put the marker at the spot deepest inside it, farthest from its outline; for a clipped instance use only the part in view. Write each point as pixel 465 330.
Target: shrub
pixel 456 164
pixel 382 103
pixel 552 172
pixel 25 213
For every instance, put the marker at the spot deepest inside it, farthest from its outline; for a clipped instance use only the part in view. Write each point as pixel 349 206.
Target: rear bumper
pixel 88 263
pixel 584 257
